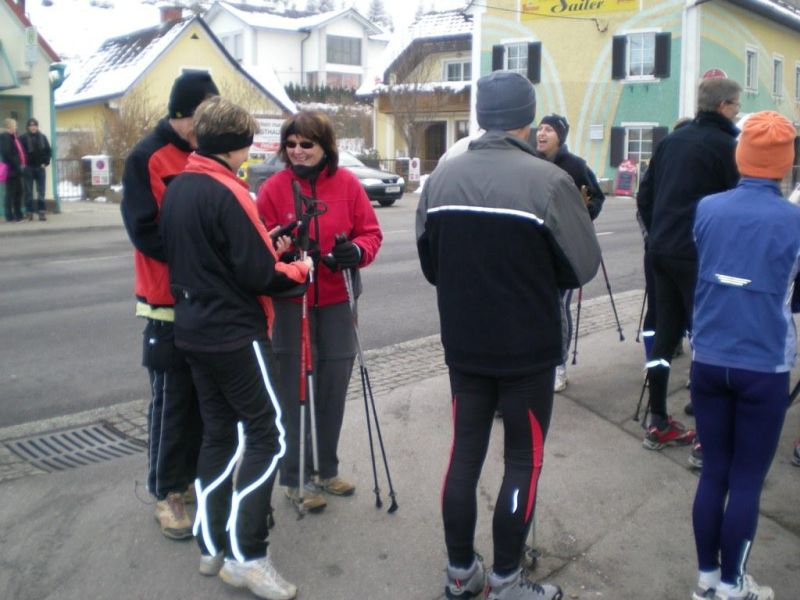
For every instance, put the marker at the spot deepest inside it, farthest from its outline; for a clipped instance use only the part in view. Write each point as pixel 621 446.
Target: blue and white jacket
pixel 748 245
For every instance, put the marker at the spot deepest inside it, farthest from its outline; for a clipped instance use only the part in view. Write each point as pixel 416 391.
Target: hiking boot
pixel 747 589
pixel 517 587
pixel 42 215
pixel 313 501
pixel 465 583
pixel 211 565
pixel 258 576
pixel 338 486
pixel 696 457
pixel 796 454
pixel 190 495
pixel 674 434
pixel 561 379
pixel 29 217
pixel 171 515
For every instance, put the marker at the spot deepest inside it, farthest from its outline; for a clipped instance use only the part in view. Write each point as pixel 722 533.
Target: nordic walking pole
pixel 306 372
pixel 795 393
pixel 611 297
pixel 577 326
pixel 641 316
pixel 639 404
pixel 369 399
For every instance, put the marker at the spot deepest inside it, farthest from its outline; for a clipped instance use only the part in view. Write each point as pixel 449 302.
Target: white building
pixel 336 48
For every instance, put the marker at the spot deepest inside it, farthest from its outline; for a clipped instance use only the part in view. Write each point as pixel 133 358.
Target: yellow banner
pixel 535 9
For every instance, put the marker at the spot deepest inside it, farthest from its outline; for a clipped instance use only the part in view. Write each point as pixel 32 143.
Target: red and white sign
pixel 715 74
pixel 413 169
pixel 100 171
pixel 268 139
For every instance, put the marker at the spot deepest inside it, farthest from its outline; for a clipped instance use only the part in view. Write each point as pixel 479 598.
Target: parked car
pixel 382 187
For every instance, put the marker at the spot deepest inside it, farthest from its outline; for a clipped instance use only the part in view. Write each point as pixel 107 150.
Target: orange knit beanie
pixel 766 146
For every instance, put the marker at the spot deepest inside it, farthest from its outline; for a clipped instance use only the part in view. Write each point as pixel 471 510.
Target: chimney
pixel 171 13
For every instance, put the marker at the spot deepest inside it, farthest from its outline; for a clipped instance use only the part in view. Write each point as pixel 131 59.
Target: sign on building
pixel 268 140
pixel 101 174
pixel 413 169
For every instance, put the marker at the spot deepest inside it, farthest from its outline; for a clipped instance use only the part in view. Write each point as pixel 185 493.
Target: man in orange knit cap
pixel 745 343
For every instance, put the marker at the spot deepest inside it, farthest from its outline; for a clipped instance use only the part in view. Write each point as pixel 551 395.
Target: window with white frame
pixel 777 76
pixel 751 70
pixel 516 56
pixel 797 82
pixel 343 50
pixel 641 54
pixel 457 70
pixel 234 44
pixel 639 143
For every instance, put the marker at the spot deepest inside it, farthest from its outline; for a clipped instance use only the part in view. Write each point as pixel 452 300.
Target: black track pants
pixel 526 403
pixel 243 441
pixel 173 417
pixel 675 281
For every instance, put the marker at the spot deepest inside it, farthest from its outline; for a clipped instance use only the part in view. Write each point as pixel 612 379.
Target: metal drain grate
pixel 68 449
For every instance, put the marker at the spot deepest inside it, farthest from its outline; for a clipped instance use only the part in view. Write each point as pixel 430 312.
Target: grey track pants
pixel 333 352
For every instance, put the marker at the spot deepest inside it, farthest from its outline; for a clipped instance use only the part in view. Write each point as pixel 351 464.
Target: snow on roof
pixel 121 61
pixel 266 78
pixel 75 28
pixel 117 64
pixel 262 17
pixel 780 11
pixel 427 88
pixel 433 25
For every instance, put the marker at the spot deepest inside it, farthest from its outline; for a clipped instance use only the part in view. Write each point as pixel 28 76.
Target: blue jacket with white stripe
pixel 499 231
pixel 748 245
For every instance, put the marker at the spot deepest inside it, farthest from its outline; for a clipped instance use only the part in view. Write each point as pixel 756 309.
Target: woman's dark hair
pixel 314 126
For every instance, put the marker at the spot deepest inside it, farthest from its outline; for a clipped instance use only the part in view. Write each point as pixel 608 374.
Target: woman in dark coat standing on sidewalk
pixel 13 156
pixel 550 139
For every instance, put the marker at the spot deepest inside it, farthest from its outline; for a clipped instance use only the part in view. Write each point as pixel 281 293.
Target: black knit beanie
pixel 188 91
pixel 559 124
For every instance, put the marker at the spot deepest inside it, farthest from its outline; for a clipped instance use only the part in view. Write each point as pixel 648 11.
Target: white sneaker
pixel 748 589
pixel 210 565
pixel 561 379
pixel 259 576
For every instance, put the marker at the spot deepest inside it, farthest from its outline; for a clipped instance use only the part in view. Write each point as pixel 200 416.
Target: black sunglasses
pixel 304 145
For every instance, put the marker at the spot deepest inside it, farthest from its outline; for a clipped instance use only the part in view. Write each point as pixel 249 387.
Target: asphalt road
pixel 70 341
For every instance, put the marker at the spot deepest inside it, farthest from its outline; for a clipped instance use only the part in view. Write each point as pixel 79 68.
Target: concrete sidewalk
pixel 613 519
pixel 74 216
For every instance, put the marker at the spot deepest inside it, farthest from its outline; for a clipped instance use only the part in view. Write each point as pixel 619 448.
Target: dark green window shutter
pixel 535 62
pixel 659 133
pixel 498 53
pixel 618 58
pixel 663 45
pixel 617 153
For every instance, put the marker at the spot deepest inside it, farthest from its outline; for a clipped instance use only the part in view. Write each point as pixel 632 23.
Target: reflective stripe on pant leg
pixel 239 496
pixel 201 520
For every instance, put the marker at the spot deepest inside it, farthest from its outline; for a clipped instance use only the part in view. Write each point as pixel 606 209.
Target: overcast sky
pixel 76 27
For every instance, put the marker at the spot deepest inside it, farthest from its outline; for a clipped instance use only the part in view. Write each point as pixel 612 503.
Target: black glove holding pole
pixel 345 254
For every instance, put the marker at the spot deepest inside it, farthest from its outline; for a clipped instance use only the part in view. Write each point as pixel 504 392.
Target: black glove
pixel 347 254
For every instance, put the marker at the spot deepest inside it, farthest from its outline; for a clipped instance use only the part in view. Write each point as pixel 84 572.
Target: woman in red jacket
pixel 308 147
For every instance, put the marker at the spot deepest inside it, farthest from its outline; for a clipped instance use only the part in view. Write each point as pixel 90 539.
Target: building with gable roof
pixel 336 48
pixel 421 87
pixel 142 66
pixel 29 69
pixel 623 72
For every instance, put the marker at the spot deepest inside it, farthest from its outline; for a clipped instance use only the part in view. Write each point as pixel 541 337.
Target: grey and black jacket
pixel 499 232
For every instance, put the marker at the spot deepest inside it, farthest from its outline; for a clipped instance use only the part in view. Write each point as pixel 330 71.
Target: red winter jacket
pixel 349 211
pixel 152 164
